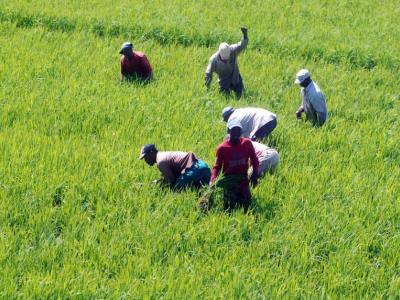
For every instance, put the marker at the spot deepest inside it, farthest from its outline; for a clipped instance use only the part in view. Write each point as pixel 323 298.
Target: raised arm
pixel 239 47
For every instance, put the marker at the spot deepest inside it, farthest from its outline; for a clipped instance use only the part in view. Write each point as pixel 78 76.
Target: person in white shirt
pixel 257 123
pixel 313 100
pixel 268 159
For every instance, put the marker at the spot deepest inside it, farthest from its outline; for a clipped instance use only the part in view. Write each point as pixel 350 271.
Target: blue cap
pixel 147 149
pixel 227 111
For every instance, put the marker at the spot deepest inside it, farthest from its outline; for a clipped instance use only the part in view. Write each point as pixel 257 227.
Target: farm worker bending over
pixel 134 64
pixel 314 104
pixel 233 157
pixel 179 169
pixel 257 123
pixel 224 63
pixel 268 158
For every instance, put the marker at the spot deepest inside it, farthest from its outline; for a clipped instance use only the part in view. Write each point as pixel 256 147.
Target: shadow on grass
pixel 265 209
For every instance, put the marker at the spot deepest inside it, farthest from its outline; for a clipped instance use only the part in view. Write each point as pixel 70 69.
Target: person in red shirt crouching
pixel 134 64
pixel 233 157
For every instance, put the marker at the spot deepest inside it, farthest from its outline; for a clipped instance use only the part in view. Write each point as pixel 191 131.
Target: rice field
pixel 79 217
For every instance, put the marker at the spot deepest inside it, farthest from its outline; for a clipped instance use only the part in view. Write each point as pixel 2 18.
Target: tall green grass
pixel 79 217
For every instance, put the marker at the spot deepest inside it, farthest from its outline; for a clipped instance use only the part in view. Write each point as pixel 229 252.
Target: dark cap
pixel 147 149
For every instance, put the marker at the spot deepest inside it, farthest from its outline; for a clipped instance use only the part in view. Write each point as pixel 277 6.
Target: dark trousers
pixel 238 88
pixel 264 130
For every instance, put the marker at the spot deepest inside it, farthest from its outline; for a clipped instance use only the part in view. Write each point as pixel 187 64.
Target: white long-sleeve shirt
pixel 252 119
pixel 314 103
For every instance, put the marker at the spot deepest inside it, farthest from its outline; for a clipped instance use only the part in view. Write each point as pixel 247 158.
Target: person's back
pixel 267 157
pixel 314 101
pixel 174 163
pixel 136 65
pixel 234 157
pixel 252 119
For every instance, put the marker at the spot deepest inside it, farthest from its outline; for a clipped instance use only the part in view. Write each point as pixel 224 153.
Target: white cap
pixel 224 51
pixel 234 123
pixel 302 75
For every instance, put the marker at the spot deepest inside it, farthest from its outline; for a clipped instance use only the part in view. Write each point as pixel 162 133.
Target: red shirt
pixel 138 65
pixel 234 159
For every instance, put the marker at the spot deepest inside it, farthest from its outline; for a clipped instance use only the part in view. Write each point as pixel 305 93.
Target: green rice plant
pixel 79 217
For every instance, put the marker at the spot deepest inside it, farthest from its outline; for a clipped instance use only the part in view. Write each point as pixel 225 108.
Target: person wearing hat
pixel 179 169
pixel 267 157
pixel 134 64
pixel 224 63
pixel 314 103
pixel 233 157
pixel 257 123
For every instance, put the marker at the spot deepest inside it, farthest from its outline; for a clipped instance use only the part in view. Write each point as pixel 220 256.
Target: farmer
pixel 257 123
pixel 314 104
pixel 224 63
pixel 233 157
pixel 268 159
pixel 134 64
pixel 179 169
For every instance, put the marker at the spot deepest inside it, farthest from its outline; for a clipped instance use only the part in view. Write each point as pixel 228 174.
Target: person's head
pixel 234 131
pixel 149 154
pixel 303 78
pixel 226 112
pixel 224 51
pixel 127 50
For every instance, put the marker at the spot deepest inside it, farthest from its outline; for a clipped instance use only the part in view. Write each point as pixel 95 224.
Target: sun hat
pixel 302 75
pixel 147 149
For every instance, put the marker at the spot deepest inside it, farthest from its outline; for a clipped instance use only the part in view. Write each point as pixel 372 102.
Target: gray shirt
pixel 314 103
pixel 228 71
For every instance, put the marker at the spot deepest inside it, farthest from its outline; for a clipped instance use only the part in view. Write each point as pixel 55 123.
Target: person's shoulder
pixel 122 59
pixel 223 145
pixel 214 57
pixel 247 142
pixel 140 54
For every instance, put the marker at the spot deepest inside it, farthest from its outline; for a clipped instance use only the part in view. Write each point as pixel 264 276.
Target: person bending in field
pixel 134 64
pixel 314 104
pixel 179 169
pixel 268 159
pixel 224 63
pixel 233 157
pixel 257 123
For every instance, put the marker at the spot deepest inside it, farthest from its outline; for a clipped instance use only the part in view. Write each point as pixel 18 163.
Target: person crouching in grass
pixel 134 64
pixel 178 169
pixel 268 159
pixel 233 157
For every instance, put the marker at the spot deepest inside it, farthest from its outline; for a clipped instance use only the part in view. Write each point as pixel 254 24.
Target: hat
pixel 125 45
pixel 302 75
pixel 224 51
pixel 147 149
pixel 227 111
pixel 234 123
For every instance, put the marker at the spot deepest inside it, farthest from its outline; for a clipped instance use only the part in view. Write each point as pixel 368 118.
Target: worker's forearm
pixel 300 109
pixel 208 79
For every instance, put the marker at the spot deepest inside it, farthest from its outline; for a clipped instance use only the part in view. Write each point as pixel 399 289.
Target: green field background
pixel 78 215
